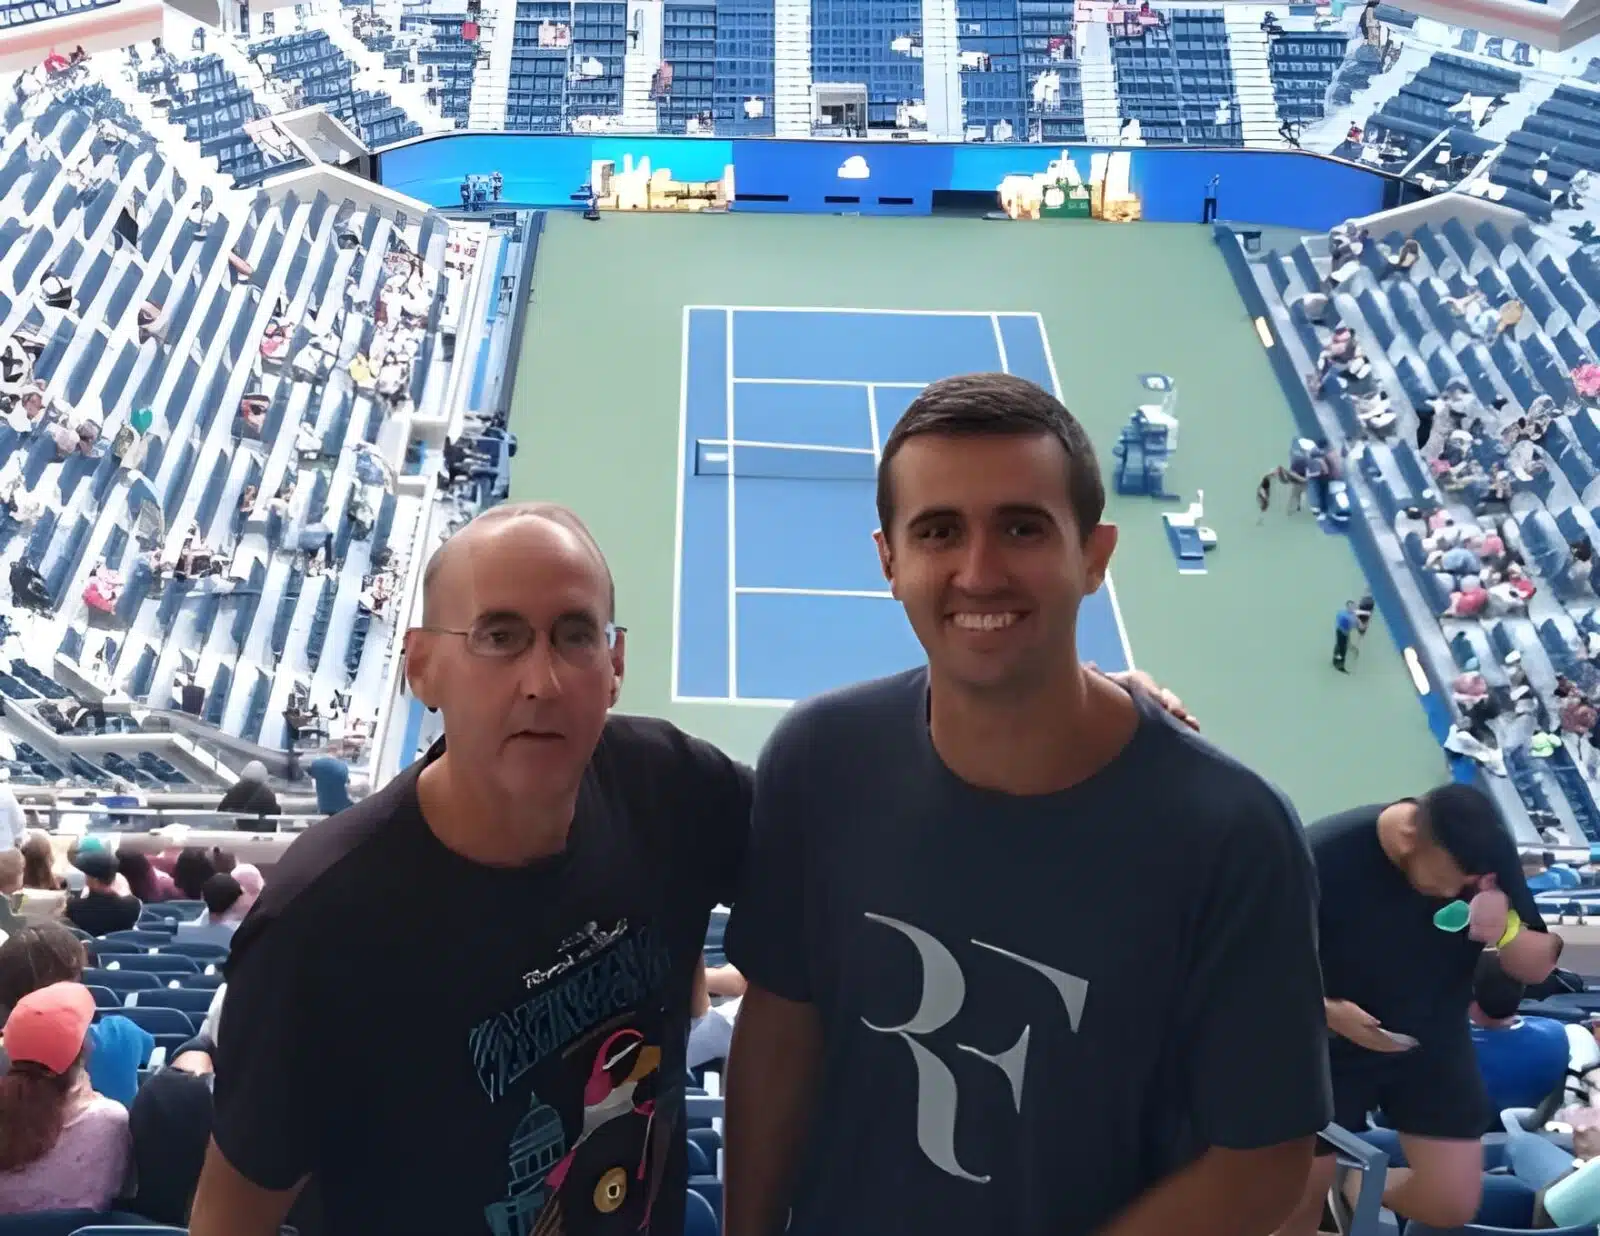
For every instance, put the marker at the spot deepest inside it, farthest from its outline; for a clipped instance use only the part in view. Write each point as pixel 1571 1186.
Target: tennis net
pixel 783 461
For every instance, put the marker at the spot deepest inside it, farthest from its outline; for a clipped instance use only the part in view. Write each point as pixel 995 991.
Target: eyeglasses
pixel 576 640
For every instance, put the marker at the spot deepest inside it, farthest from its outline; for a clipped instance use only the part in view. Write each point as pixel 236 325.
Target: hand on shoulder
pixel 1137 680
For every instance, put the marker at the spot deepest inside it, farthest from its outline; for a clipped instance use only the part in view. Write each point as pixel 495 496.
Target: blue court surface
pixel 784 413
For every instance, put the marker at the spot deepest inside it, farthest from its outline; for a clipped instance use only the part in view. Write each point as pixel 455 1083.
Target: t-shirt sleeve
pixel 1254 1022
pixel 266 1079
pixel 767 930
pixel 720 807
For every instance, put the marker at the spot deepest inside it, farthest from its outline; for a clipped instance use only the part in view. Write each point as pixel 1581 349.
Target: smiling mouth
pixel 967 621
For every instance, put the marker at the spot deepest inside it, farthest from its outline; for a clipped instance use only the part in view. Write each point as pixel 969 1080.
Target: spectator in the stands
pixel 101 909
pixel 13 821
pixel 62 1146
pixel 38 857
pixel 10 884
pixel 145 881
pixel 194 867
pixel 332 779
pixel 1523 1059
pixel 222 895
pixel 1543 873
pixel 711 1026
pixel 249 798
pixel 251 882
pixel 171 1124
pixel 1402 262
pixel 45 953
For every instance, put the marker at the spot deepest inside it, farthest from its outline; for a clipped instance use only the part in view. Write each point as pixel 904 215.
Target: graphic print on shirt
pixel 944 992
pixel 591 1029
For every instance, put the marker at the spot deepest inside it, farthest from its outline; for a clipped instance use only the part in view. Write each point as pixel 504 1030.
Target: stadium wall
pixel 1284 188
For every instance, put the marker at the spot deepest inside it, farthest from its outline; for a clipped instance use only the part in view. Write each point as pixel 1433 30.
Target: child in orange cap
pixel 62 1146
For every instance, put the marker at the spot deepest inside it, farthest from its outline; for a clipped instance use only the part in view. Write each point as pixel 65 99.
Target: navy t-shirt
pixel 450 1049
pixel 1034 1009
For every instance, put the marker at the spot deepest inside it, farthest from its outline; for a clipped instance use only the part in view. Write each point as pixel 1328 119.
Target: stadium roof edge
pixel 1553 27
pixel 95 30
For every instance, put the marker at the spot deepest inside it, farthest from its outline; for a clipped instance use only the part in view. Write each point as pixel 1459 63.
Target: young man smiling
pixel 952 1023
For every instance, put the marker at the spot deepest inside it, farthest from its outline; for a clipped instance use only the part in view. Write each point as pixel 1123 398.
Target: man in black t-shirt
pixel 957 1018
pixel 101 909
pixel 1398 955
pixel 462 1004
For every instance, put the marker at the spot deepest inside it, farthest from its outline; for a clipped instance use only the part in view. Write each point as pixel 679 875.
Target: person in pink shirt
pixel 62 1146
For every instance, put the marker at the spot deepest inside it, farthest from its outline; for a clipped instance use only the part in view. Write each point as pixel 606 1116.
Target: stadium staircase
pixel 1102 111
pixel 791 77
pixel 639 65
pixel 1247 48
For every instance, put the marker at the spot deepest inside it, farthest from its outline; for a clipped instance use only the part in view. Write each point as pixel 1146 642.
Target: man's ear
pixel 418 653
pixel 619 665
pixel 885 559
pixel 1097 550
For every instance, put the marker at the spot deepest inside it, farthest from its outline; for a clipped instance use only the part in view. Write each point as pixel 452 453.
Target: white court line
pixel 1111 588
pixel 907 313
pixel 723 701
pixel 786 446
pixel 910 386
pixel 733 538
pixel 872 424
pixel 1000 342
pixel 677 529
pixel 817 592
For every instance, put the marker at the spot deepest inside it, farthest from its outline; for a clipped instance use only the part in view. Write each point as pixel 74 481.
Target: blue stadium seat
pixel 185 999
pixel 122 980
pixel 157 964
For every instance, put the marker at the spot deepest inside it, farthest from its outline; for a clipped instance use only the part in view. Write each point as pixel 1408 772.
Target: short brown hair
pixel 986 405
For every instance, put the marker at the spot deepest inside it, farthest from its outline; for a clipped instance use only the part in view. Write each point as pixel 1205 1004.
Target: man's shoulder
pixel 1219 791
pixel 333 853
pixel 656 750
pixel 849 716
pixel 1343 829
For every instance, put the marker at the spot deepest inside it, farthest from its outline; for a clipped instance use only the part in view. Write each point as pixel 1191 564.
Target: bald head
pixel 437 576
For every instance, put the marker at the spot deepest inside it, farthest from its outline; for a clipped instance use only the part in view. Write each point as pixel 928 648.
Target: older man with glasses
pixel 462 1005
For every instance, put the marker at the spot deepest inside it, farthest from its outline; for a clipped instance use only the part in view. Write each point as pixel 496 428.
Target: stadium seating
pixel 1417 344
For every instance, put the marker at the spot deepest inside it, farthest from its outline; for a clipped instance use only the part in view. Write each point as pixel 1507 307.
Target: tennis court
pixel 783 415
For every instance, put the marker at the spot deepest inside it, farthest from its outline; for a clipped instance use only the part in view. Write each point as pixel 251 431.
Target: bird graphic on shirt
pixel 606 1165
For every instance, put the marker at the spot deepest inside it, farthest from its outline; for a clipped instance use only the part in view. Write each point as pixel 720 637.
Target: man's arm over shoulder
pixel 708 791
pixel 269 1083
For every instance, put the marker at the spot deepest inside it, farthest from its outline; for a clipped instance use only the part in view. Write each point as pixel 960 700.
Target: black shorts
pixel 1434 1090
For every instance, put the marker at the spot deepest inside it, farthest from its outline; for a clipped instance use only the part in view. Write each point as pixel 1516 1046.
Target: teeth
pixel 984 622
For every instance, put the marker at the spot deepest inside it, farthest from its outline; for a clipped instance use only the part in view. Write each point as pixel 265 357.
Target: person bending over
pixel 1399 947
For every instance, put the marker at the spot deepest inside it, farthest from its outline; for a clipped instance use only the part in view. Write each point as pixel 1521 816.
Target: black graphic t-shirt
pixel 1018 1038
pixel 448 1048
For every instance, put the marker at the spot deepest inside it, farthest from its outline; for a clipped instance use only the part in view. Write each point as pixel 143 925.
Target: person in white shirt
pixel 13 820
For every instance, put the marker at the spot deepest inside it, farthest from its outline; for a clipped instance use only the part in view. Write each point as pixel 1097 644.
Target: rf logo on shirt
pixel 943 993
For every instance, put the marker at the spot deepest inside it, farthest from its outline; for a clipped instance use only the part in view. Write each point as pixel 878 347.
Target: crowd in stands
pixel 95 1109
